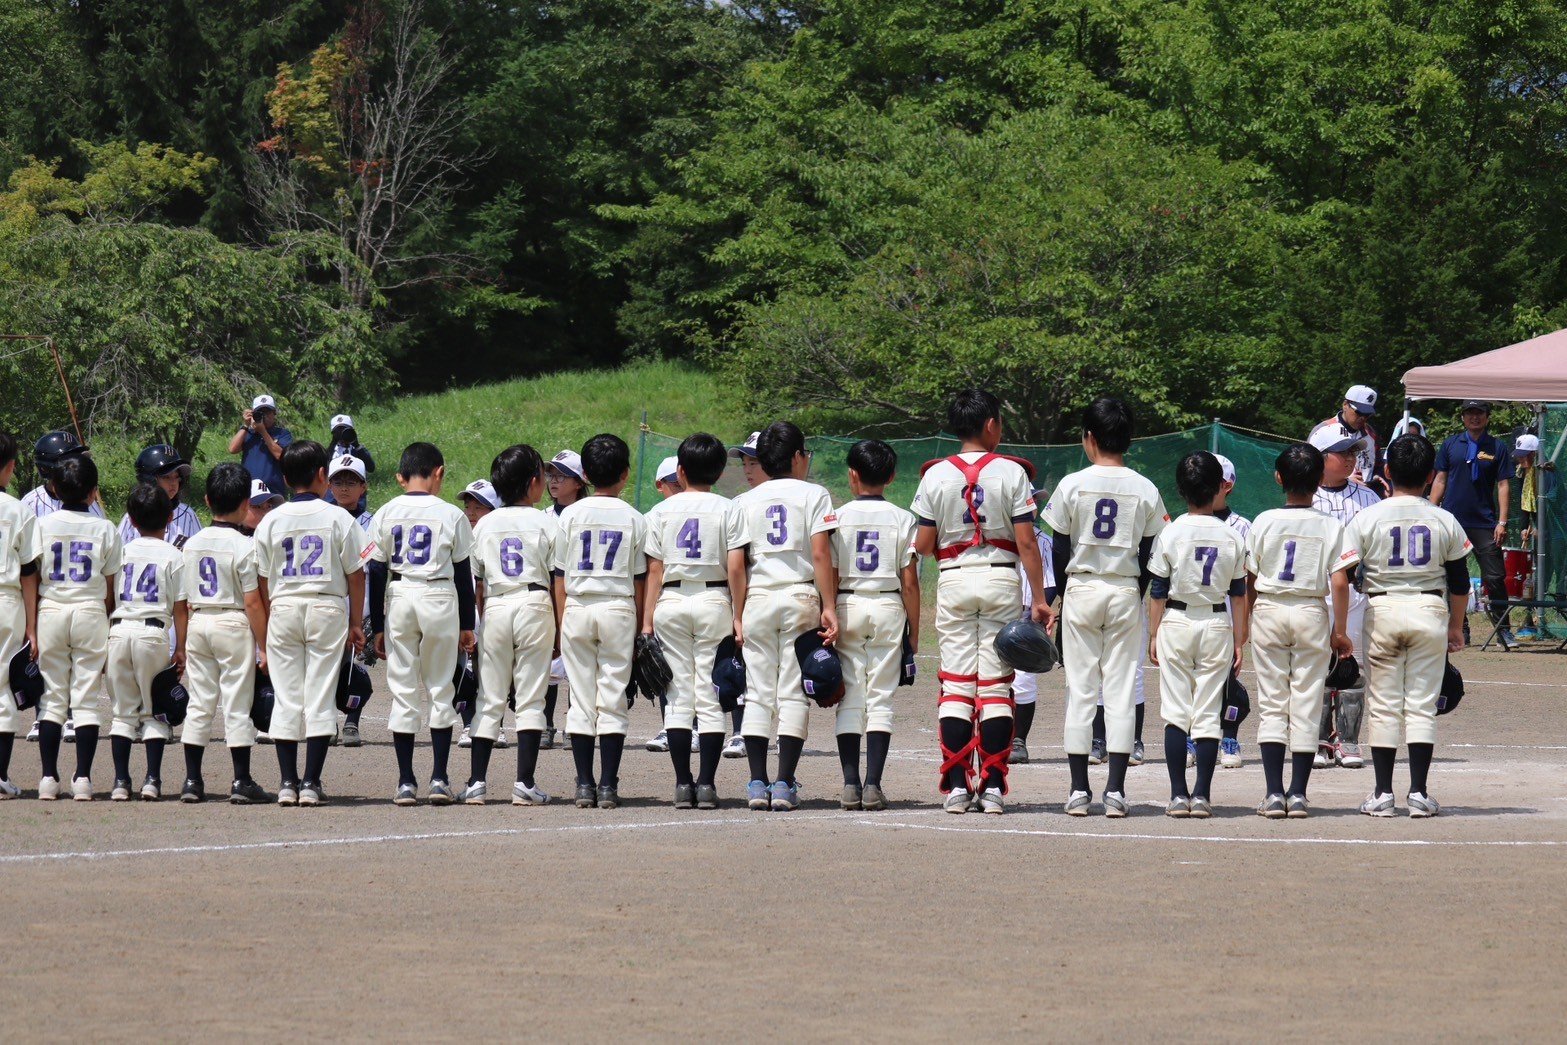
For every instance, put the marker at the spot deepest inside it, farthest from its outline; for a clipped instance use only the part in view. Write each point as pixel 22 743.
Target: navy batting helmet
pixel 27 682
pixel 353 683
pixel 1452 689
pixel 821 673
pixel 1237 702
pixel 1343 672
pixel 160 459
pixel 1024 645
pixel 466 682
pixel 54 447
pixel 261 702
pixel 728 674
pixel 169 698
pixel 906 677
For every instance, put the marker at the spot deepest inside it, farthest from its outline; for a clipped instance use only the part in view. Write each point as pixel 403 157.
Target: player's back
pixel 1201 556
pixel 692 533
pixel 780 517
pixel 150 581
pixel 1405 544
pixel 1106 512
pixel 999 496
pixel 79 550
pixel 18 539
pixel 1294 550
pixel 420 536
pixel 220 566
pixel 872 544
pixel 513 548
pixel 308 547
pixel 601 548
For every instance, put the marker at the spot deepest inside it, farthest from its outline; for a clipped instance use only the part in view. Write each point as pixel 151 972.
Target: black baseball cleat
pixel 193 791
pixel 245 792
pixel 609 797
pixel 586 798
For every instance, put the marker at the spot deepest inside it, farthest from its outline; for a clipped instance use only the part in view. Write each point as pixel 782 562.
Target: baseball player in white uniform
pixel 1105 519
pixel 1025 686
pixel 310 557
pixel 745 453
pixel 18 602
pixel 227 628
pixel 1343 498
pixel 975 513
pixel 1413 557
pixel 150 600
pixel 690 608
pixel 428 614
pixel 1298 564
pixel 163 466
pixel 513 550
pixel 1230 743
pixel 81 562
pixel 782 578
pixel 564 481
pixel 878 603
pixel 1198 565
pixel 600 568
pixel 479 499
pixel 666 481
pixel 346 488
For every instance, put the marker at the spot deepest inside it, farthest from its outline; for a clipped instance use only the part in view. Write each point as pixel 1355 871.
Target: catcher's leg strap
pixel 964 756
pixel 996 760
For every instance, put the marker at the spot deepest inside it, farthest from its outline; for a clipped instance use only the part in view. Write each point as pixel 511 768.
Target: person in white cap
pixel 260 441
pixel 1354 419
pixel 666 480
pixel 262 501
pixel 479 498
pixel 345 441
pixel 755 475
pixel 346 489
pixel 1526 453
pixel 1230 743
pixel 564 480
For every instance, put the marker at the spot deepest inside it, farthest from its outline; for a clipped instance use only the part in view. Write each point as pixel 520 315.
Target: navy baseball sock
pixel 1078 766
pixel 582 756
pixel 1140 709
pixel 155 758
pixel 711 747
pixel 1272 767
pixel 737 716
pixel 241 759
pixel 480 764
pixel 315 758
pixel 1382 759
pixel 6 742
pixel 287 760
pixel 611 746
pixel 1116 781
pixel 120 752
pixel 789 751
pixel 527 754
pixel 756 755
pixel 955 736
pixel 467 714
pixel 49 734
pixel 1175 760
pixel 1231 730
pixel 351 716
pixel 550 693
pixel 680 754
pixel 995 738
pixel 849 757
pixel 441 748
pixel 1419 766
pixel 1300 772
pixel 1207 759
pixel 403 745
pixel 193 753
pixel 86 748
pixel 877 743
pixel 1099 723
pixel 1024 716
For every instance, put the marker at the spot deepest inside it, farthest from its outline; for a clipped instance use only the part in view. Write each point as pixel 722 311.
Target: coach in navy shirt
pixel 1471 482
pixel 261 441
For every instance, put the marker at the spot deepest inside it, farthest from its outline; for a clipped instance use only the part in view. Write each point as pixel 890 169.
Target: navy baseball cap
pixel 747 448
pixel 728 672
pixel 27 682
pixel 169 698
pixel 821 673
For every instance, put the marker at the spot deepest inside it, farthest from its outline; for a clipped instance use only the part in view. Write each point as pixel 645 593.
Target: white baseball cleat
pixel 992 801
pixel 1077 803
pixel 957 801
pixel 1422 806
pixel 1377 805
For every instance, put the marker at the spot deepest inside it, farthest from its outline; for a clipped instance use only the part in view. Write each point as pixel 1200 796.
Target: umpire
pixel 1471 482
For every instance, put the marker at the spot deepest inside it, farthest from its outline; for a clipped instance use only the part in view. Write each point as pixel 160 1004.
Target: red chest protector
pixel 970 485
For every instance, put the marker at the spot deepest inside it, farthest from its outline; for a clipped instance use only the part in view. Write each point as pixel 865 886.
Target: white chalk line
pixel 1149 837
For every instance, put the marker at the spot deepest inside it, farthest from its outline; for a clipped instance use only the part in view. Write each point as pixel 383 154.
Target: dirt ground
pixel 362 920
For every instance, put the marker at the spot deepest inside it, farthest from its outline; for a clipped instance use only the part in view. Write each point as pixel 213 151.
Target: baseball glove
pixel 650 668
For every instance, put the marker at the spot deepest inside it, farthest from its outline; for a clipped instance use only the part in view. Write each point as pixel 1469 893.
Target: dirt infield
pixel 363 920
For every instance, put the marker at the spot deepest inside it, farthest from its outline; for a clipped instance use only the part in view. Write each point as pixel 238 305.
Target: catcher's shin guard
pixel 1348 711
pixel 964 756
pixel 997 759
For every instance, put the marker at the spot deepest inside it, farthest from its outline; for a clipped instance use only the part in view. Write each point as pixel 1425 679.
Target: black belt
pixel 1177 604
pixel 538 587
pixel 1379 594
pixel 705 584
pixel 878 591
pixel 153 622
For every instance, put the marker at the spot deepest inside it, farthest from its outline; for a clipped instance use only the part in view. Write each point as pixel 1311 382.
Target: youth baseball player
pixel 666 481
pixel 1105 519
pixel 1198 564
pixel 690 608
pixel 745 453
pixel 1025 686
pixel 600 567
pixel 566 485
pixel 18 602
pixel 1230 744
pixel 310 557
pixel 81 562
pixel 346 488
pixel 1298 562
pixel 262 501
pixel 478 499
pixel 513 551
pixel 163 466
pixel 150 600
pixel 424 615
pixel 1413 557
pixel 975 514
pixel 878 600
pixel 226 633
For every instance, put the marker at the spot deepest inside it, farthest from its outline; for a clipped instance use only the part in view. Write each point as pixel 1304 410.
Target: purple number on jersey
pixel 146 587
pixel 207 570
pixel 1288 572
pixel 511 556
pixel 1419 550
pixel 1105 510
pixel 868 550
pixel 690 538
pixel 1208 555
pixel 80 558
pixel 978 494
pixel 779 534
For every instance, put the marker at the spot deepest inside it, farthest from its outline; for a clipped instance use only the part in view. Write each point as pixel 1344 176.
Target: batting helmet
pixel 169 698
pixel 1343 672
pixel 1452 689
pixel 353 683
pixel 1237 702
pixel 728 674
pixel 466 682
pixel 54 447
pixel 27 682
pixel 261 702
pixel 821 673
pixel 906 678
pixel 160 459
pixel 1024 645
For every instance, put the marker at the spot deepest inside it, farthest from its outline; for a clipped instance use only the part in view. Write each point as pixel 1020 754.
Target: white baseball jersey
pixel 874 541
pixel 691 534
pixel 1106 512
pixel 1295 550
pixel 1405 545
pixel 1002 498
pixel 1235 521
pixel 151 581
pixel 220 568
pixel 514 547
pixel 1047 563
pixel 419 536
pixel 778 520
pixel 1201 557
pixel 18 540
pixel 41 502
pixel 79 551
pixel 309 547
pixel 182 526
pixel 601 547
pixel 1345 502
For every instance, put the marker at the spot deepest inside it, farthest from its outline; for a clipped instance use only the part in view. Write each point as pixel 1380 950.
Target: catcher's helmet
pixel 160 459
pixel 27 682
pixel 54 447
pixel 262 702
pixel 1343 672
pixel 466 681
pixel 906 678
pixel 1024 645
pixel 821 673
pixel 1237 702
pixel 1452 689
pixel 169 698
pixel 353 683
pixel 728 674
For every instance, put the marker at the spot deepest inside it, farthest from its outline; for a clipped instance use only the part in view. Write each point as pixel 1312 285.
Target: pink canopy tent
pixel 1533 371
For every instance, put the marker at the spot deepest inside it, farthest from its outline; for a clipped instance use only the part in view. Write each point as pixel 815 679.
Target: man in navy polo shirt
pixel 260 441
pixel 1471 482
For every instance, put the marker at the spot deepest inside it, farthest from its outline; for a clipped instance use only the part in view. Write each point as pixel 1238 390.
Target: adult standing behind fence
pixel 261 441
pixel 1354 419
pixel 1471 482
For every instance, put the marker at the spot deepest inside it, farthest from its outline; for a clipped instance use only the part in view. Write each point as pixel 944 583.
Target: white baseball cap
pixel 746 449
pixel 1226 467
pixel 263 402
pixel 1363 398
pixel 1527 444
pixel 342 421
pixel 345 463
pixel 668 470
pixel 568 461
pixel 1332 439
pixel 259 494
pixel 483 491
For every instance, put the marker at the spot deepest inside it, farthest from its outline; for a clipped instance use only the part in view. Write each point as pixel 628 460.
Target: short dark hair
pixel 75 478
pixel 301 462
pixel 1410 459
pixel 1109 421
pixel 874 460
pixel 7 448
pixel 605 459
pixel 228 487
pixel 513 471
pixel 1198 478
pixel 420 460
pixel 703 457
pixel 969 410
pixel 149 507
pixel 776 447
pixel 1300 469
